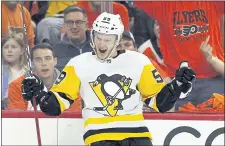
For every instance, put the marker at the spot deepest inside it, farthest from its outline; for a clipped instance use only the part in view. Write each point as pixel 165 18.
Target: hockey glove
pixel 180 87
pixel 32 87
pixel 184 78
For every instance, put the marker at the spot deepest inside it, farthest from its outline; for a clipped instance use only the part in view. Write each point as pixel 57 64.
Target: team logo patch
pixel 60 78
pixel 112 91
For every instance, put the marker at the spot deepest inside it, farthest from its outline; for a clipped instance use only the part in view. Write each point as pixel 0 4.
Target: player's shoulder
pixel 137 56
pixel 84 57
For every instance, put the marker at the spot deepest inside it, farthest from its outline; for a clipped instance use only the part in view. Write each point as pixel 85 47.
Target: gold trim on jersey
pixel 105 120
pixel 152 104
pixel 64 104
pixel 126 126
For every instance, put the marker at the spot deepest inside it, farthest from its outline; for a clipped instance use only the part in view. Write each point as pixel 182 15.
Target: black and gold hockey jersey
pixel 112 91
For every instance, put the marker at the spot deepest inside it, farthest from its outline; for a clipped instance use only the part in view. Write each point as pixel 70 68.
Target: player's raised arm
pixel 150 83
pixel 61 95
pixel 162 97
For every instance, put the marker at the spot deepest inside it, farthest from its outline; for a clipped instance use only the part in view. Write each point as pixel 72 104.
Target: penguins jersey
pixel 113 92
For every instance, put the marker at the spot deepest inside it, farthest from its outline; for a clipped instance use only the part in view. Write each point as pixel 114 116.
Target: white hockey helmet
pixel 108 23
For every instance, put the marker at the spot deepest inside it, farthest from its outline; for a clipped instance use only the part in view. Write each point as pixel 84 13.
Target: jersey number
pixel 60 78
pixel 157 76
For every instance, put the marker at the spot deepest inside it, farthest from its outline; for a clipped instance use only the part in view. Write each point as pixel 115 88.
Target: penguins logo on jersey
pixel 112 91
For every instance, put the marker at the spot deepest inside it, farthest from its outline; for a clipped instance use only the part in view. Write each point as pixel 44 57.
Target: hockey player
pixel 111 83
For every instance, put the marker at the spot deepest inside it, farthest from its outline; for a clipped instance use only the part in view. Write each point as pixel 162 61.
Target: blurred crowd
pixel 166 32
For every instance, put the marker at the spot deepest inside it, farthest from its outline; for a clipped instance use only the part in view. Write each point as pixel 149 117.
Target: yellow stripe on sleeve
pixel 150 82
pixel 64 103
pixel 68 83
pixel 152 104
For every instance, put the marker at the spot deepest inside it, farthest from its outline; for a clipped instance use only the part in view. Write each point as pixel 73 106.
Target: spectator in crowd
pixel 14 62
pixel 37 9
pixel 93 9
pixel 12 20
pixel 76 39
pixel 215 62
pixel 54 19
pixel 128 43
pixel 44 61
pixel 151 48
pixel 145 22
pixel 49 29
pixel 184 26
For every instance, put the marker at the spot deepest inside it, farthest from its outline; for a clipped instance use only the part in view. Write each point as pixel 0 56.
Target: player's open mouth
pixel 102 50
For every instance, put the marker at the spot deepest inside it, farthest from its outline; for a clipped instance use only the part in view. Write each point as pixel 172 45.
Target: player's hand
pixel 184 77
pixel 32 87
pixel 206 49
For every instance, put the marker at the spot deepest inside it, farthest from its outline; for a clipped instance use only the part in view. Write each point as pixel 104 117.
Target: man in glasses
pixel 76 39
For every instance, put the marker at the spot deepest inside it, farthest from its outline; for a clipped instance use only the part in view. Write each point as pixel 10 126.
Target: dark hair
pixel 70 9
pixel 127 38
pixel 153 36
pixel 41 46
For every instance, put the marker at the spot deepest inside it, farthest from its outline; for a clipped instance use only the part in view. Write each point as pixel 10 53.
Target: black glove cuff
pixel 39 97
pixel 173 87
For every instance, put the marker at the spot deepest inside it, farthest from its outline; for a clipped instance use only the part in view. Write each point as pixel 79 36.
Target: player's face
pixel 44 63
pixel 75 25
pixel 104 44
pixel 156 29
pixel 12 51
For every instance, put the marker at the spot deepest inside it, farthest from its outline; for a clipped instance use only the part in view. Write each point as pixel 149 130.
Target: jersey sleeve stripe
pixel 63 95
pixel 152 103
pixel 64 104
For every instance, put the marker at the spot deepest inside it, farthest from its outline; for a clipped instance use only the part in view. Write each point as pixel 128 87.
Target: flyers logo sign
pixel 112 91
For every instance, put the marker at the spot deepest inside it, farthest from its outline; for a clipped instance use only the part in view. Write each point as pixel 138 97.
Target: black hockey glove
pixel 32 87
pixel 184 78
pixel 180 87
